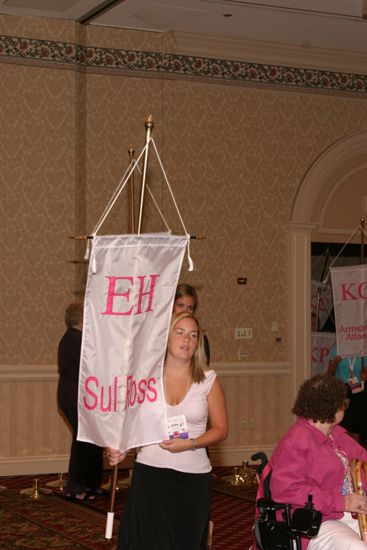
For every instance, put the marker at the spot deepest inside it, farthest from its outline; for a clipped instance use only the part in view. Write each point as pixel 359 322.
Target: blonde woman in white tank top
pixel 169 500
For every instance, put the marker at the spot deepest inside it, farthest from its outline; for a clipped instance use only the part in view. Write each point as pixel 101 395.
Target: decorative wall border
pixel 177 65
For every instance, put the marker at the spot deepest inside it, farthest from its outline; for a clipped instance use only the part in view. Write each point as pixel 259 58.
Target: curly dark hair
pixel 320 397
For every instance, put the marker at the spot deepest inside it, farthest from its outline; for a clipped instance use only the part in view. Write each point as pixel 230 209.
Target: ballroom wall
pixel 236 139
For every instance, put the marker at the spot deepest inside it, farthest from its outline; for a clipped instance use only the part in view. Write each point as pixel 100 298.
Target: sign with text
pixel 350 305
pixel 131 285
pixel 321 344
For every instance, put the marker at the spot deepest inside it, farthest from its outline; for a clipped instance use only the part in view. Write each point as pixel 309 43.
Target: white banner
pixel 131 285
pixel 325 302
pixel 321 344
pixel 350 305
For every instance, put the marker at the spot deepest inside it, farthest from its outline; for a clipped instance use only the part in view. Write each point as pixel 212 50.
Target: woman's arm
pixel 333 364
pixel 218 428
pixel 217 415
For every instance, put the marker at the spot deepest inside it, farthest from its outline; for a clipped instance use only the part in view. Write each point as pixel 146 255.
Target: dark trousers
pixel 86 460
pixel 165 510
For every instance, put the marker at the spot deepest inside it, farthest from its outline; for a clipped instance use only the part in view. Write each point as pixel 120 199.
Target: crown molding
pixel 272 53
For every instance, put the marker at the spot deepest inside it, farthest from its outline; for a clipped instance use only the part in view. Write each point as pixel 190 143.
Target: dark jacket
pixel 68 366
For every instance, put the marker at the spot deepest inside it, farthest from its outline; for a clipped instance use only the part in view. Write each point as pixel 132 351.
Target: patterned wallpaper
pixel 234 155
pixel 37 120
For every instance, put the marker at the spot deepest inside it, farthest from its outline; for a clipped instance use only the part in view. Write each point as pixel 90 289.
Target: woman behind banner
pixel 186 299
pixel 168 504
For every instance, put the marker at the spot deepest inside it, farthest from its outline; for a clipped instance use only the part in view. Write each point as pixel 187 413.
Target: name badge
pixel 177 427
pixel 355 386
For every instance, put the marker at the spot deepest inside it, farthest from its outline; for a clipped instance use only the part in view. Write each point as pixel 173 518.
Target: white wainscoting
pixel 259 402
pixel 34 439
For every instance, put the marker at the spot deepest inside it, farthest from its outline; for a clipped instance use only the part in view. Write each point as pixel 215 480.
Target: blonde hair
pixel 198 361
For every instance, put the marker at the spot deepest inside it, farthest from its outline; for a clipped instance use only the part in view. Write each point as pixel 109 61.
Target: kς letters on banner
pixel 350 306
pixel 131 285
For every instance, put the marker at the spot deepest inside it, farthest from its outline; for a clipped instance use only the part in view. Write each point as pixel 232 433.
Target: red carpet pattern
pixel 233 519
pixel 49 523
pixel 52 522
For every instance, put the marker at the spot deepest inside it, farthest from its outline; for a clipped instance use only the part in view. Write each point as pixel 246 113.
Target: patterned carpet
pixel 48 523
pixel 52 522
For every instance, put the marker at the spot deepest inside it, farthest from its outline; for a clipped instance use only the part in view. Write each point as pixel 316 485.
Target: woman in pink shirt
pixel 313 458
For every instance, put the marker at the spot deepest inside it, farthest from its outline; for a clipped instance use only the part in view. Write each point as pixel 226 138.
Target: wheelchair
pixel 272 533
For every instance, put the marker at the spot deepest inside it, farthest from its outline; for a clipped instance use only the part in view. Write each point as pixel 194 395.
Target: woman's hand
pixel 355 503
pixel 176 445
pixel 115 456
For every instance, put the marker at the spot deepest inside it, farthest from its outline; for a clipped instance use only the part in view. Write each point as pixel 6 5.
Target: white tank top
pixel 195 408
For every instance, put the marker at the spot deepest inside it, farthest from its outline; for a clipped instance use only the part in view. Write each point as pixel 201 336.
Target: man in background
pixel 86 459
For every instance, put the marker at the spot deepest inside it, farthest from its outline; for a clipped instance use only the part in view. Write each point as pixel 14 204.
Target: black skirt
pixel 165 510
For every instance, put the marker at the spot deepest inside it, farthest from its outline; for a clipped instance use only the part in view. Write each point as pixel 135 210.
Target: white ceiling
pixel 335 24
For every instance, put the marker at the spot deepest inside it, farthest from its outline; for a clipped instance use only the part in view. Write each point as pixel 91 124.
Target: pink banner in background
pixel 321 344
pixel 350 305
pixel 128 304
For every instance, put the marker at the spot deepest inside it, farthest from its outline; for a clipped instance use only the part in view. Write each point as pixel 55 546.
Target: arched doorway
pixel 329 202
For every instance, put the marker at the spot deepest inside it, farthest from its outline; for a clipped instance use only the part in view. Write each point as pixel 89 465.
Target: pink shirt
pixel 305 463
pixel 195 408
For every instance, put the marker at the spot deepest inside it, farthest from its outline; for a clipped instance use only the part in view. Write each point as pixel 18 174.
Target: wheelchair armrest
pixel 270 504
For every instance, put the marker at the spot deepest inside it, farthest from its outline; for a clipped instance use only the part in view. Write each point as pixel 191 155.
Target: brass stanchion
pixel 361 261
pixel 362 239
pixel 242 475
pixel 149 125
pixel 234 479
pixel 248 475
pixel 59 483
pixel 35 492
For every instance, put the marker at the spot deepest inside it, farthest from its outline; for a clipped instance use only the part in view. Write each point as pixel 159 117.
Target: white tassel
pixel 189 259
pixel 87 251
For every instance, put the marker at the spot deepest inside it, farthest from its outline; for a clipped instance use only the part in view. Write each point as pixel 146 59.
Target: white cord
pixel 191 263
pixel 118 190
pixel 132 166
pixel 359 227
pixel 156 204
pixel 169 187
